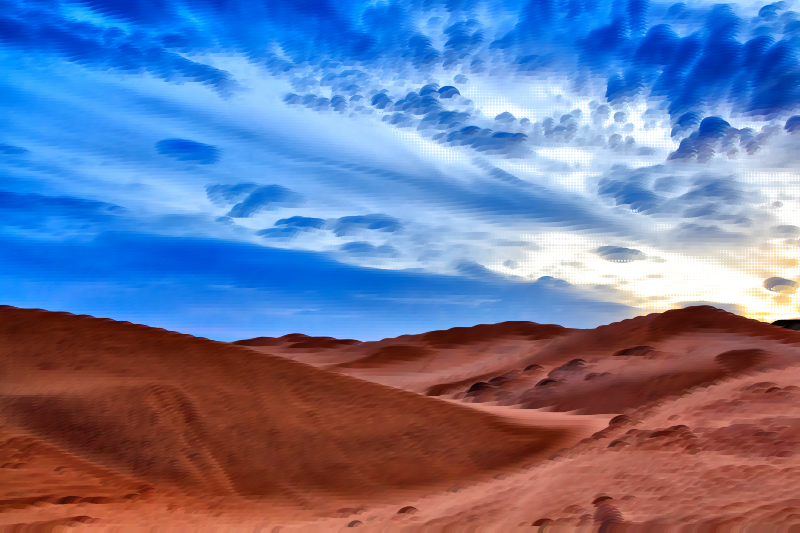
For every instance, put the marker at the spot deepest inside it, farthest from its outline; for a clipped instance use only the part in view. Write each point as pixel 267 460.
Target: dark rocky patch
pixel 481 385
pixel 638 351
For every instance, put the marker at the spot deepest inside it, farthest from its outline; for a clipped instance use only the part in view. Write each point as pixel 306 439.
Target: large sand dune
pixel 201 418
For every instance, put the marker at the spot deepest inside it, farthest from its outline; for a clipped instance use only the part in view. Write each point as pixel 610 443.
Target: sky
pixel 241 168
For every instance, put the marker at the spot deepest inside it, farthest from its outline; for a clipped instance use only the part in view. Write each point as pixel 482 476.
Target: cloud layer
pixel 635 155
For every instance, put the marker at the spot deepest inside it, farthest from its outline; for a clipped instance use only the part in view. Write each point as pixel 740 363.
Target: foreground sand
pixel 118 427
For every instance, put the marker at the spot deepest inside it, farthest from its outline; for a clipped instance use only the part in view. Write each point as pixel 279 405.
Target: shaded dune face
pixel 209 418
pixel 388 356
pixel 489 332
pixel 619 395
pixel 626 391
pixel 298 341
pixel 638 334
pixel 155 443
pixel 471 384
pixel 636 350
pixel 741 360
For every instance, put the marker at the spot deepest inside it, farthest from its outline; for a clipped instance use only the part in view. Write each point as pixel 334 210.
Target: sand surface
pixel 688 419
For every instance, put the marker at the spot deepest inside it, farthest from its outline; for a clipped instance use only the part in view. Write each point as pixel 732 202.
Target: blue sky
pixel 365 169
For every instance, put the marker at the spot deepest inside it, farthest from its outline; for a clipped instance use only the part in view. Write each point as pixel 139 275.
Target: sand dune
pixel 207 418
pixel 544 366
pixel 687 419
pixel 418 362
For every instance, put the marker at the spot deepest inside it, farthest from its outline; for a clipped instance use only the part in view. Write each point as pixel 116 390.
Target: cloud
pixel 714 135
pixel 286 229
pixel 631 192
pixel 39 212
pixel 723 200
pixel 42 31
pixel 477 271
pixel 8 149
pixel 228 194
pixel 705 196
pixel 301 222
pixel 777 284
pixel 413 103
pixel 185 150
pixel 487 141
pixel 368 250
pixel 722 55
pixel 619 253
pixel 687 234
pixel 377 222
pixel 793 123
pixel 264 198
pixel 280 234
pixel 560 94
pixel 667 184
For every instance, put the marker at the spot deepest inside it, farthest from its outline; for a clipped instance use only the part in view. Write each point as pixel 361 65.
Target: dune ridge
pixel 540 366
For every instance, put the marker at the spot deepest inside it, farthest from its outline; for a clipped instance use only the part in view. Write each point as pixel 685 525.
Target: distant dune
pixel 546 366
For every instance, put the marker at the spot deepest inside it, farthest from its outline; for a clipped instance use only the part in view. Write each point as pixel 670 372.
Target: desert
pixel 400 266
pixel 683 420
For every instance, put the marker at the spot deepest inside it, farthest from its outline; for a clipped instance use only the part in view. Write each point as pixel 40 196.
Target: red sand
pixel 112 425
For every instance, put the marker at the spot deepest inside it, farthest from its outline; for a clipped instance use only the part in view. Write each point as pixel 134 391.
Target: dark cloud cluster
pixel 289 228
pixel 792 124
pixel 487 141
pixel 301 222
pixel 716 136
pixel 349 225
pixel 620 254
pixel 417 108
pixel 659 64
pixel 464 36
pixel 267 197
pixel 692 57
pixel 706 197
pixel 424 109
pixel 413 103
pixel 280 234
pixel 337 103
